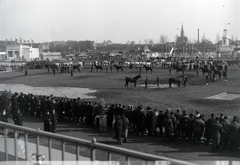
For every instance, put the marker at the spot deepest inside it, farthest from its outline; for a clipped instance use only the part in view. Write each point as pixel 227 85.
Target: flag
pixel 16 40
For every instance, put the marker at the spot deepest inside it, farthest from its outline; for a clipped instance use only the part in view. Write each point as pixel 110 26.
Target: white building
pixel 51 56
pixel 21 52
pixel 225 49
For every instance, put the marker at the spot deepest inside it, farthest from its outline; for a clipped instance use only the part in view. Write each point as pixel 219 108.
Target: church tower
pixel 182 32
pixel 225 38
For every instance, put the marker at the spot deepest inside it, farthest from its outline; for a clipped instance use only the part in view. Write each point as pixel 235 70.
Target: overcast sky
pixel 117 20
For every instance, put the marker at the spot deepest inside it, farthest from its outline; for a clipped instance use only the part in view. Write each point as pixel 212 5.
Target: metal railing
pixel 92 145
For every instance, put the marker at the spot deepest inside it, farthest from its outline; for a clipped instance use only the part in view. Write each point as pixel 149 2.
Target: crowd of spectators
pixel 171 125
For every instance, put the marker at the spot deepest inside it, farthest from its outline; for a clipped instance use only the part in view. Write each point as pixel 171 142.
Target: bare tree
pixel 203 37
pixel 163 39
pixel 140 42
pixel 218 38
pixel 151 42
pixel 146 41
pixel 128 42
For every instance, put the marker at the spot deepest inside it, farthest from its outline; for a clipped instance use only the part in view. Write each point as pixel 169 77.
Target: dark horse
pixel 132 80
pixel 180 69
pixel 147 68
pixel 204 70
pixel 175 81
pixel 118 67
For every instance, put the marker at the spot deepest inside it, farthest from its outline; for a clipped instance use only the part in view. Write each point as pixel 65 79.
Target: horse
pixel 180 69
pixel 98 67
pixel 204 70
pixel 147 68
pixel 175 81
pixel 118 67
pixel 132 80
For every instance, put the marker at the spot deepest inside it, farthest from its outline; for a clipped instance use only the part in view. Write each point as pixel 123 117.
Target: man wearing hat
pixel 149 120
pixel 16 113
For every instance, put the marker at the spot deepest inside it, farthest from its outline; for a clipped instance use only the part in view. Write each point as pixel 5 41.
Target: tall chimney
pixel 198 36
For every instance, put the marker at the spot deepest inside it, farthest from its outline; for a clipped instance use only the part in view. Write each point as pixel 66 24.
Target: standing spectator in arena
pixel 198 129
pixel 169 69
pixel 26 71
pixel 146 82
pixel 157 81
pixel 216 130
pixel 71 71
pixel 233 134
pixel 185 83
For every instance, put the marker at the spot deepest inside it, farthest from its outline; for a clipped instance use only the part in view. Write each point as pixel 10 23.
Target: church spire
pixel 182 31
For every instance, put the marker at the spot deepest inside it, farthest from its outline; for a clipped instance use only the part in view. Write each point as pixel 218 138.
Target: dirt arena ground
pixel 110 87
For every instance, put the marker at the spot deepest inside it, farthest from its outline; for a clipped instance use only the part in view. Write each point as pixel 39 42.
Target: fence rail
pixel 92 145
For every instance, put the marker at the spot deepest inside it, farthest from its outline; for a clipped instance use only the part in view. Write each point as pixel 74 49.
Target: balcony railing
pixel 93 146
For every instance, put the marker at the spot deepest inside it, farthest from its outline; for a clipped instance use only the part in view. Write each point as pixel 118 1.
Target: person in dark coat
pixel 198 129
pixel 119 128
pixel 125 128
pixel 233 134
pixel 140 120
pixel 209 124
pixel 168 125
pixel 47 121
pixel 53 120
pixel 224 136
pixel 160 121
pixel 149 120
pixel 16 113
pixel 183 122
pixel 216 131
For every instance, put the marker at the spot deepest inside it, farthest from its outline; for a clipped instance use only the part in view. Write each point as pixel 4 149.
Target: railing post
pixel 15 145
pixel 50 149
pixel 6 146
pixel 63 151
pixel 77 152
pixel 93 150
pixel 26 146
pixel 109 154
pixel 37 142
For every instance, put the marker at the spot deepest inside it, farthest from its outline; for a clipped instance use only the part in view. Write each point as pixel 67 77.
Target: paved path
pixel 149 144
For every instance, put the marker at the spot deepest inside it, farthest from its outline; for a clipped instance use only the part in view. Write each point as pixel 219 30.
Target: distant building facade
pixel 51 56
pixel 17 51
pixel 224 49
